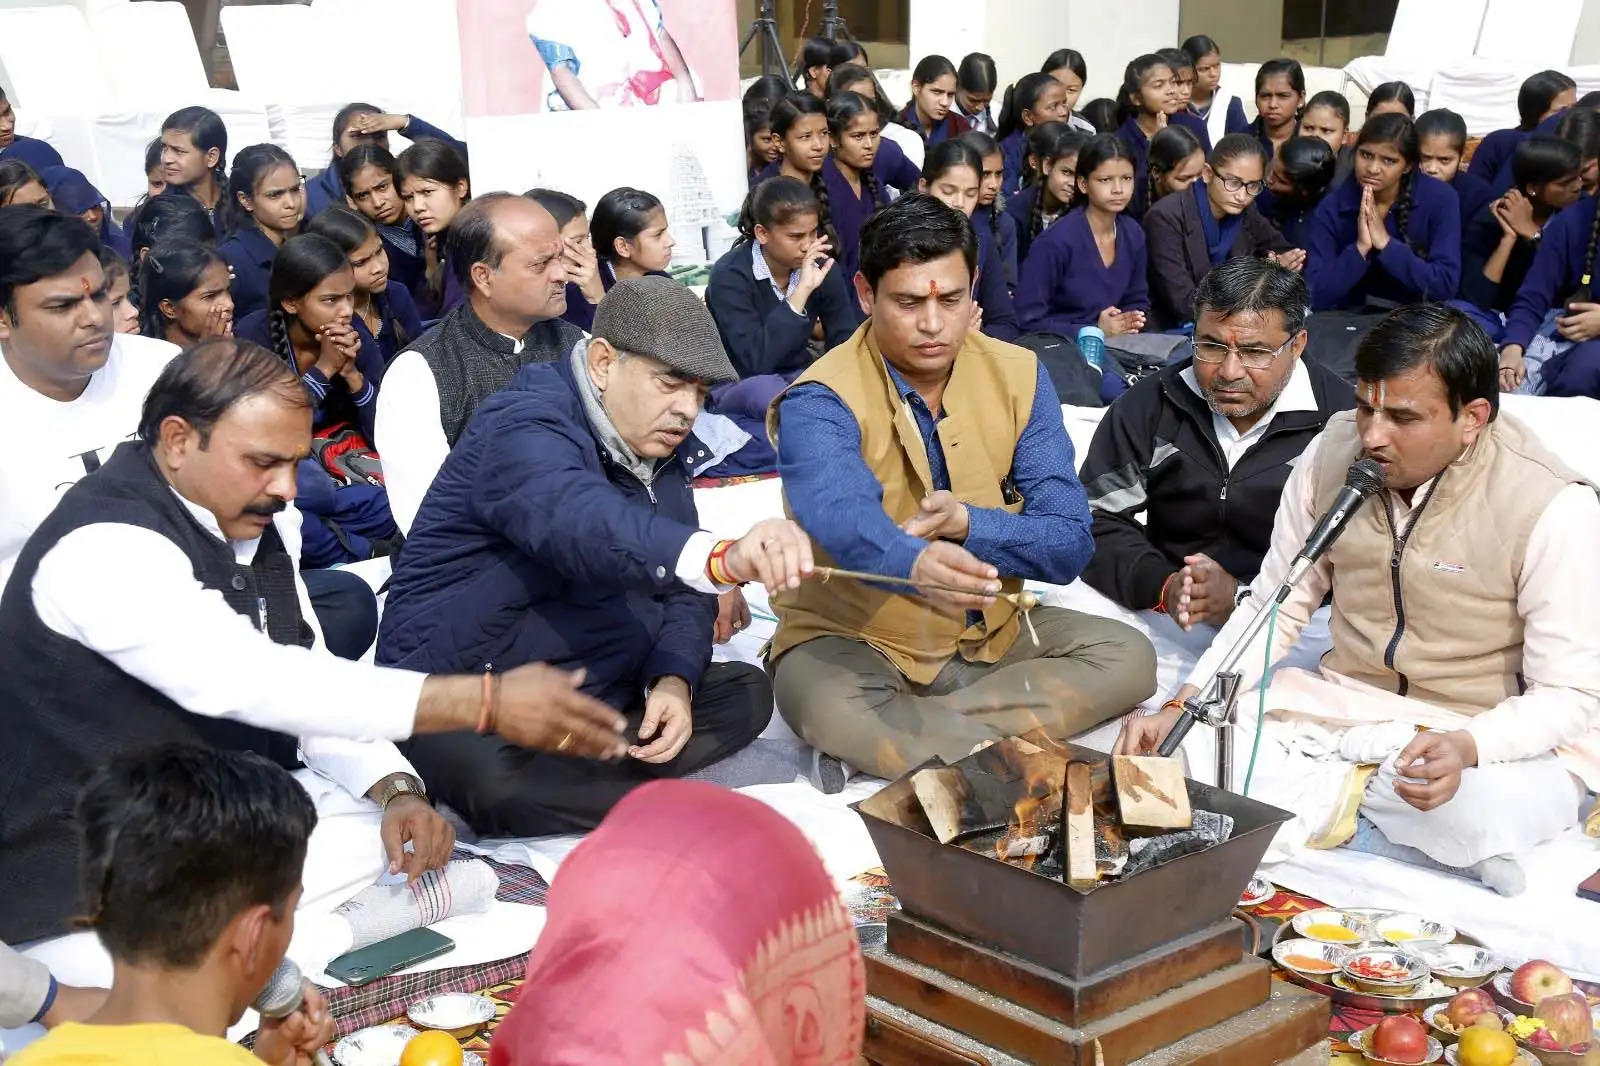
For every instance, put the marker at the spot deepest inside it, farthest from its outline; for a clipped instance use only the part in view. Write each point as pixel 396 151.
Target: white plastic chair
pixel 1533 37
pixel 300 108
pixel 1435 31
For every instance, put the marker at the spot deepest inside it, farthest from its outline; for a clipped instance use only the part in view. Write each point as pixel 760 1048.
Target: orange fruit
pixel 1486 1047
pixel 431 1048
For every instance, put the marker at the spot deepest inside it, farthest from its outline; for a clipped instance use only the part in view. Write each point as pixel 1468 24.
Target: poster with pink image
pixel 578 55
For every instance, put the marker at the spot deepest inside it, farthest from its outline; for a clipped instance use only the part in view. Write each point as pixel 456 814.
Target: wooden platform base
pixel 1289 1029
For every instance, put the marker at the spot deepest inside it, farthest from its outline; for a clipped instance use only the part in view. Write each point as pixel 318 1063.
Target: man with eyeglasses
pixel 1186 469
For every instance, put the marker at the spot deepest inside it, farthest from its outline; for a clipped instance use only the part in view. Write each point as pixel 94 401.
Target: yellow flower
pixel 1524 1026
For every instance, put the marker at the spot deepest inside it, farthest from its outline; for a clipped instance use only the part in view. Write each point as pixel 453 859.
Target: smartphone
pixel 368 964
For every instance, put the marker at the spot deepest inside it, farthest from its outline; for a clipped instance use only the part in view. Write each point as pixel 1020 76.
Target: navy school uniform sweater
pixel 848 211
pixel 1065 284
pixel 1014 153
pixel 1479 241
pixel 1495 167
pixel 333 400
pixel 761 332
pixel 1474 195
pixel 1139 145
pixel 1001 229
pixel 992 292
pixel 325 188
pixel 397 315
pixel 249 253
pixel 1341 278
pixel 1558 268
pixel 953 125
pixel 1019 209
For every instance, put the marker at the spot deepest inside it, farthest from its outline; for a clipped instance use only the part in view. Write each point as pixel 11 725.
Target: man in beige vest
pixel 921 449
pixel 1467 588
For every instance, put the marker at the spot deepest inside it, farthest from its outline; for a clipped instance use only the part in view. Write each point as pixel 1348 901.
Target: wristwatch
pixel 400 785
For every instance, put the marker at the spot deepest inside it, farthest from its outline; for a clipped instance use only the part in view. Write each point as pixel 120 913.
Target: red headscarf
pixel 695 927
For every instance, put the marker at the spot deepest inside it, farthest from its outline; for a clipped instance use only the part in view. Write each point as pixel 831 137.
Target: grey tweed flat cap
pixel 658 317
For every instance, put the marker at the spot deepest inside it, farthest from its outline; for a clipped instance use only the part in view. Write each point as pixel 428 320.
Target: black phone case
pixel 368 964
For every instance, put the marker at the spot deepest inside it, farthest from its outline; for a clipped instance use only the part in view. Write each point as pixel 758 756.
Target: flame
pixel 1032 814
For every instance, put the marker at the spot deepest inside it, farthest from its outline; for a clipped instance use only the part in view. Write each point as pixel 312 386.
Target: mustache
pixel 1242 385
pixel 267 509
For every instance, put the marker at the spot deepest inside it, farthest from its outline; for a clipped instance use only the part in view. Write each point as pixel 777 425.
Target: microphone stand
pixel 1216 704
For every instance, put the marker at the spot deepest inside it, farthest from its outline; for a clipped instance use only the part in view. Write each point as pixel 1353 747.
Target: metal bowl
pixel 1417 971
pixel 1502 990
pixel 458 1013
pixel 1311 923
pixel 1433 1018
pixel 1362 1041
pixel 1460 965
pixel 1412 931
pixel 1332 954
pixel 381 1045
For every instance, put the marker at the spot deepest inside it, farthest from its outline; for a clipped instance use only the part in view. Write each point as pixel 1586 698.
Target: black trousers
pixel 503 790
pixel 346 610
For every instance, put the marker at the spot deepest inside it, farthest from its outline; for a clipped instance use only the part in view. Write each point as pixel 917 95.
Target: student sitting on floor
pixel 1067 66
pixel 433 183
pixel 358 124
pixel 183 291
pixel 1149 87
pixel 1089 269
pixel 267 207
pixel 900 150
pixel 631 234
pixel 562 526
pixel 729 880
pixel 30 150
pixel 1540 96
pixel 1280 94
pixel 780 283
pixel 953 175
pixel 931 113
pixel 20 185
pixel 1220 109
pixel 1183 78
pixel 510 318
pixel 72 194
pixel 1441 141
pixel 1050 186
pixel 1500 668
pixel 854 192
pixel 383 305
pixel 1326 116
pixel 124 312
pixel 1580 126
pixel 1392 235
pixel 1175 162
pixel 817 58
pixel 760 143
pixel 881 678
pixel 194 154
pixel 1498 247
pixel 1186 470
pixel 1298 178
pixel 992 223
pixel 976 83
pixel 1557 302
pixel 1189 233
pixel 1034 99
pixel 372 180
pixel 190 867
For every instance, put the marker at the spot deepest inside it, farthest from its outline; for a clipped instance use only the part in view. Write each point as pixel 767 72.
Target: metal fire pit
pixel 1072 932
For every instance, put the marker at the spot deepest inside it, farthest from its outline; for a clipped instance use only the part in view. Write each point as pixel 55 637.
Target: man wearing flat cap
pixel 562 529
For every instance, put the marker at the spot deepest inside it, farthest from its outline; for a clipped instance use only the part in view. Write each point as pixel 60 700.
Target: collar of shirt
pixel 763 272
pixel 1297 395
pixel 517 343
pixel 244 551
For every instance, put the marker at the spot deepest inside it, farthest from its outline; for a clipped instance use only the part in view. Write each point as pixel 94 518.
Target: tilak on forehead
pixel 933 288
pixel 1376 393
pixel 83 279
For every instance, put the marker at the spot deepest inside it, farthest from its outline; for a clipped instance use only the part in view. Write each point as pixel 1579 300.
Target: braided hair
pixel 985 146
pixel 300 266
pixel 1393 128
pixel 350 229
pixel 1047 143
pixel 1294 73
pixel 1168 149
pixel 170 271
pixel 844 109
pixel 785 114
pixel 775 202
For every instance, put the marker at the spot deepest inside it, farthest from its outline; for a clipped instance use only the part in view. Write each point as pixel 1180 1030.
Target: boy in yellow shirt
pixel 190 870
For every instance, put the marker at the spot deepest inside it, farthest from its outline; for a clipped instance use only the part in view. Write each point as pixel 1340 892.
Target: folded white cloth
pixel 382 911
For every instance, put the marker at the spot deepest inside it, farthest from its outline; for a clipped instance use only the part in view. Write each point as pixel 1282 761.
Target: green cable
pixel 1261 706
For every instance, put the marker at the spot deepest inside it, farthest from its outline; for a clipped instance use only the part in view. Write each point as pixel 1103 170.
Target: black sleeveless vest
pixel 64 708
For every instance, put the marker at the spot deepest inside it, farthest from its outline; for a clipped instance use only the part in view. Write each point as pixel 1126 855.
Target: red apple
pixel 1465 1007
pixel 1538 980
pixel 1400 1039
pixel 1567 1017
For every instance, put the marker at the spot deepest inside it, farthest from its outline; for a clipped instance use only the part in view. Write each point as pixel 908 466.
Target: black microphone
pixel 283 995
pixel 1364 478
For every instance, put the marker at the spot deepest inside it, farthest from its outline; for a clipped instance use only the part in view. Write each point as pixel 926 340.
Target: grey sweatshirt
pixel 24 983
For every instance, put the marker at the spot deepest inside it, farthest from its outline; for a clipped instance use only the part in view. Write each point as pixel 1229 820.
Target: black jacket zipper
pixel 1400 543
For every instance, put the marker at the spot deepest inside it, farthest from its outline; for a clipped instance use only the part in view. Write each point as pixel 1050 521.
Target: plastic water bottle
pixel 1092 343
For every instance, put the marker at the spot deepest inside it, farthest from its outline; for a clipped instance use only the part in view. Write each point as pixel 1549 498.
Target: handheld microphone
pixel 1364 478
pixel 283 995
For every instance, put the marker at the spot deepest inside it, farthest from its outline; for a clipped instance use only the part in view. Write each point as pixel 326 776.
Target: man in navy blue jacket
pixel 562 528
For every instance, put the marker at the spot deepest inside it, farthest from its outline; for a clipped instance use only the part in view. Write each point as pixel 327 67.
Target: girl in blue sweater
pixel 988 219
pixel 1557 300
pixel 267 207
pixel 1441 142
pixel 1390 236
pixel 1540 96
pixel 1090 269
pixel 953 174
pixel 1051 182
pixel 1034 99
pixel 854 191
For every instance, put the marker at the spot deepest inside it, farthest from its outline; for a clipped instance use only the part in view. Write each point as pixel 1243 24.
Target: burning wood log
pixel 1078 826
pixel 1152 795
